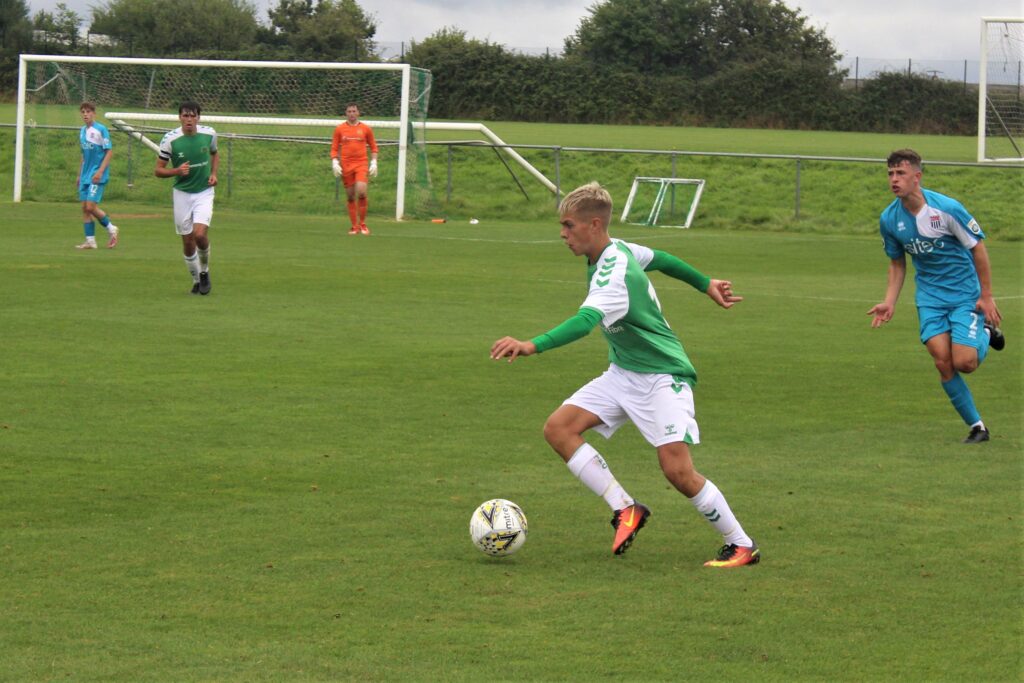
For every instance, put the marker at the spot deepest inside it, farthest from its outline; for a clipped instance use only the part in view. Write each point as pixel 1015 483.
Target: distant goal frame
pixel 983 99
pixel 402 124
pixel 659 199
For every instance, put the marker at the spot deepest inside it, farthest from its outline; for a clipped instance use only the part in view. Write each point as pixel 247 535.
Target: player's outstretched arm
pixel 511 348
pixel 884 311
pixel 720 292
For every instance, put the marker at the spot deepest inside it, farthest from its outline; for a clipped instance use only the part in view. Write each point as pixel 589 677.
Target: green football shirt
pixel 639 338
pixel 176 148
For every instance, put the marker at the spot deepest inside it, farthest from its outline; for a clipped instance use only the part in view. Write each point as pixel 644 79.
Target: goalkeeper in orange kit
pixel 349 162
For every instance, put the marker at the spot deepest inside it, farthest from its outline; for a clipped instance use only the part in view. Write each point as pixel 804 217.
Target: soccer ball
pixel 498 527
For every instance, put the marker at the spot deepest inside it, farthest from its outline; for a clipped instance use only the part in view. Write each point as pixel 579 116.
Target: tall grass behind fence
pixel 483 182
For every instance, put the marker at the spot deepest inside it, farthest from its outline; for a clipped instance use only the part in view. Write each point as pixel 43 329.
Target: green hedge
pixel 475 80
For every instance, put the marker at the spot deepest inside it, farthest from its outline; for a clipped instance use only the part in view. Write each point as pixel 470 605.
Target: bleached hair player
pixel 649 381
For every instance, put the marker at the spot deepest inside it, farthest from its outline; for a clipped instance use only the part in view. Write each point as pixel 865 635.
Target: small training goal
pixel 660 202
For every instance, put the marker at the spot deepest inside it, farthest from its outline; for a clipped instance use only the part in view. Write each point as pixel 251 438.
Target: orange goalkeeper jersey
pixel 352 141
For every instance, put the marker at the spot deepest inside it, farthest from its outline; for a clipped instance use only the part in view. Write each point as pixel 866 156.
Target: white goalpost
pixel 1000 94
pixel 393 97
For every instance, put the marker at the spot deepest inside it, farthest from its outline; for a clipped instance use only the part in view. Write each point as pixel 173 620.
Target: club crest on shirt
pixel 935 220
pixel 974 227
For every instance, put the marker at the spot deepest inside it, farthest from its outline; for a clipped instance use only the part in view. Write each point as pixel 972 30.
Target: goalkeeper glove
pixel 336 167
pixel 373 168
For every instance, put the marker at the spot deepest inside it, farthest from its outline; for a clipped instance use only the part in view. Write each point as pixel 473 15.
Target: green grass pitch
pixel 275 482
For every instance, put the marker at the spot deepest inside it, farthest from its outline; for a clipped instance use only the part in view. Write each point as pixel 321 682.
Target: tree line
pixel 754 63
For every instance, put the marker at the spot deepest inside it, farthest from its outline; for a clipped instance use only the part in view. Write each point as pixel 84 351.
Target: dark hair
pixel 188 105
pixel 352 104
pixel 907 155
pixel 87 106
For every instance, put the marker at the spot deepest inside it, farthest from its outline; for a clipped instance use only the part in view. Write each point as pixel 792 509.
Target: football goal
pixel 274 119
pixel 1000 101
pixel 646 203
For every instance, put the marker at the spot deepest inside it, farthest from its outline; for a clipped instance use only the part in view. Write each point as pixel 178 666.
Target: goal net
pixel 1000 102
pixel 274 121
pixel 662 202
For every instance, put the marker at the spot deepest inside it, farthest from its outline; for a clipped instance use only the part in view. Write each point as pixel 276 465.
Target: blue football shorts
pixel 965 325
pixel 91 192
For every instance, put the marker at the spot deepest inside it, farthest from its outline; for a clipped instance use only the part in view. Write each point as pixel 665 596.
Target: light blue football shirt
pixel 939 240
pixel 95 141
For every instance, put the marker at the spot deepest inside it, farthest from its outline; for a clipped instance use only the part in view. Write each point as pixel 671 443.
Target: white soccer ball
pixel 498 527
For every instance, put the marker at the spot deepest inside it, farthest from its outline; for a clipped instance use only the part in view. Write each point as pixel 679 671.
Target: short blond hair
pixel 588 200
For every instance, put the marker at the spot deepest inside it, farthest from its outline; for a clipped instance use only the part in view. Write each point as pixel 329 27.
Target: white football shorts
pixel 191 208
pixel 661 408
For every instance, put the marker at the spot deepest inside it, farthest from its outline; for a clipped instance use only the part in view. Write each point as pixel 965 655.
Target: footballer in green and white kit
pixel 649 381
pixel 189 155
pixel 193 195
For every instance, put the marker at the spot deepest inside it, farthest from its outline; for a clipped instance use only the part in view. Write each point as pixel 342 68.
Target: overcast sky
pixel 891 29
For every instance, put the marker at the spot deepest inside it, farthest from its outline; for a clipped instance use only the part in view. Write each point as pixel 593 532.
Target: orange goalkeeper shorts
pixel 355 173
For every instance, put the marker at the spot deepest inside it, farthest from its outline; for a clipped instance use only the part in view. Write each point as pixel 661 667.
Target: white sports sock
pixel 712 504
pixel 204 259
pixel 589 467
pixel 192 263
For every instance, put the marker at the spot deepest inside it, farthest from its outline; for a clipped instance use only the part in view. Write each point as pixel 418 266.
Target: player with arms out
pixel 649 381
pixel 958 317
pixel 349 162
pixel 189 155
pixel 94 139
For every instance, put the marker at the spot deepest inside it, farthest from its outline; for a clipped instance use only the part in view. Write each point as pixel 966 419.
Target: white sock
pixel 589 467
pixel 204 259
pixel 712 504
pixel 979 423
pixel 192 263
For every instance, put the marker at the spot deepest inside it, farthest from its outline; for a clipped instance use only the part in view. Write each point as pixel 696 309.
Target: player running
pixel 189 155
pixel 648 383
pixel 348 160
pixel 958 317
pixel 94 139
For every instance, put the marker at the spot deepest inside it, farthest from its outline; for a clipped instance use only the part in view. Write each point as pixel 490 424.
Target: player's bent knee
pixel 563 432
pixel 555 430
pixel 967 366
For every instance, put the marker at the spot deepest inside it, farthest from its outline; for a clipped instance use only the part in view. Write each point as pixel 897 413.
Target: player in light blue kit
pixel 94 139
pixel 958 316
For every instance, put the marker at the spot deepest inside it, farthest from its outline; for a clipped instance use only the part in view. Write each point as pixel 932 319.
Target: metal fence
pixel 858 68
pixel 549 156
pixel 674 156
pixel 964 71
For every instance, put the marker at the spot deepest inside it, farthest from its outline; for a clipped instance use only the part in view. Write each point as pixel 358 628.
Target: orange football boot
pixel 627 523
pixel 735 556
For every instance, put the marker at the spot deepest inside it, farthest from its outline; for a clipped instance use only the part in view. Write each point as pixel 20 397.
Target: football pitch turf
pixel 275 482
